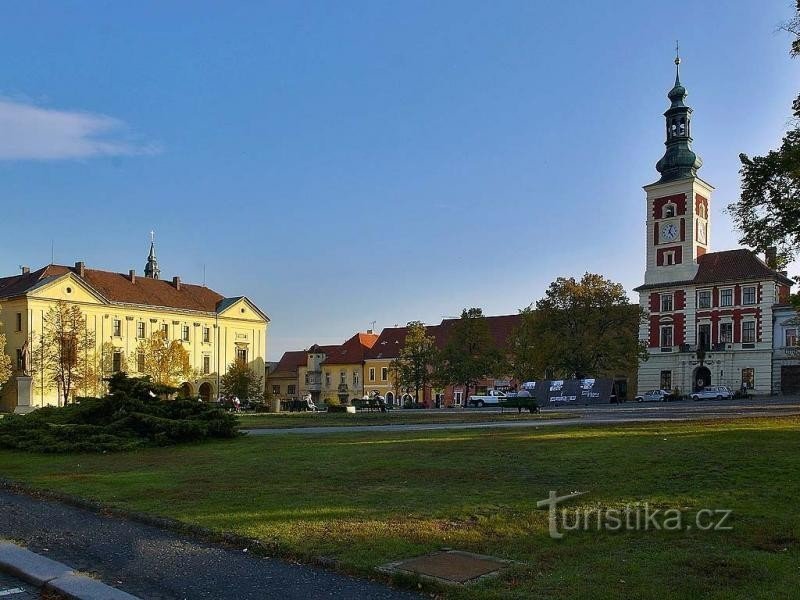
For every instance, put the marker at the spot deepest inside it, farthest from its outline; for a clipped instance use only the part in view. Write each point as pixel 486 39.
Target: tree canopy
pixel 579 329
pixel 165 362
pixel 469 354
pixel 412 368
pixel 768 212
pixel 241 381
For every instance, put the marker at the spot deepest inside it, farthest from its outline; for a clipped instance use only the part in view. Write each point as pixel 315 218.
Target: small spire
pixel 677 63
pixel 151 269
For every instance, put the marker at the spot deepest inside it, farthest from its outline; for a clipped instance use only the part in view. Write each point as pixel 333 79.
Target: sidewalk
pixel 53 576
pixel 156 564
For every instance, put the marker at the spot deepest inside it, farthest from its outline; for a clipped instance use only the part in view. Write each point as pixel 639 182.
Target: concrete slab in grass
pixel 30 566
pixel 80 587
pixel 449 566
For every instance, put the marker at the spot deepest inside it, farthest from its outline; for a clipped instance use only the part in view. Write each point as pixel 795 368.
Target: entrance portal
pixel 702 378
pixel 205 392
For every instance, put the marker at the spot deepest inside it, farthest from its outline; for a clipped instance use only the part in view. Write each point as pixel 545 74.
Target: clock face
pixel 669 232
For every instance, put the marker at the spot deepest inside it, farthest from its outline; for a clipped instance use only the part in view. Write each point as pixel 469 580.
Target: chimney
pixel 176 281
pixel 80 267
pixel 132 275
pixel 771 257
pixel 26 270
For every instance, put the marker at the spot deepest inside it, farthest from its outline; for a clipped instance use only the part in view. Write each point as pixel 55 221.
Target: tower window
pixel 666 336
pixel 669 258
pixel 666 302
pixel 669 211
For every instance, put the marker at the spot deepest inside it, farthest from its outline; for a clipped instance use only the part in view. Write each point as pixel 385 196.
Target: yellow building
pixel 323 371
pixel 122 310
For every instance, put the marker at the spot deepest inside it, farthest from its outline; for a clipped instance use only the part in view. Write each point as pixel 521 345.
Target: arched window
pixel 682 128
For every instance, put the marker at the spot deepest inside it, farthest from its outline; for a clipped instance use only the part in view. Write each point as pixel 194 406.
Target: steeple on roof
pixel 151 269
pixel 679 161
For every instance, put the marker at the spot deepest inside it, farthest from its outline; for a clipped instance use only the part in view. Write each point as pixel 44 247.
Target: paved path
pixel 155 564
pixel 609 414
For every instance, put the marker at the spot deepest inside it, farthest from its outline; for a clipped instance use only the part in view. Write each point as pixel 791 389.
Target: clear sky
pixel 348 162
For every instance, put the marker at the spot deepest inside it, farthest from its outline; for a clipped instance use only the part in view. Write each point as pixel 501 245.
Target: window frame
pixel 669 297
pixel 206 364
pixel 661 337
pixel 787 337
pixel 372 373
pixel 141 330
pixel 116 327
pixel 755 295
pixel 729 328
pixel 384 373
pixel 666 375
pixel 702 294
pixel 724 292
pixel 185 333
pixel 206 335
pixel 750 330
pixel 276 389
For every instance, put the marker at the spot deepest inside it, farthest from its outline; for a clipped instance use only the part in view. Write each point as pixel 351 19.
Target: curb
pixel 236 541
pixel 43 572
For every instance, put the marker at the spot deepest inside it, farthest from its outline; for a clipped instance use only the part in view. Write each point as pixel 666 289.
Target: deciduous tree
pixel 469 354
pixel 166 362
pixel 413 367
pixel 241 381
pixel 5 361
pixel 63 354
pixel 768 211
pixel 579 329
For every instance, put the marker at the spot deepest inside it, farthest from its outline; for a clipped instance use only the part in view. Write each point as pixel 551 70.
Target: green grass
pixel 367 498
pixel 395 417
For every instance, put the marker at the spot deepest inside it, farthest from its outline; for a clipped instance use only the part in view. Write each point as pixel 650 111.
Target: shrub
pixel 334 401
pixel 129 417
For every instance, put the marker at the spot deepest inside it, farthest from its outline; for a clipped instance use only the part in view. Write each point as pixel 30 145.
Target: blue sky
pixel 343 163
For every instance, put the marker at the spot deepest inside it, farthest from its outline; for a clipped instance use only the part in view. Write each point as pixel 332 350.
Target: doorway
pixel 702 378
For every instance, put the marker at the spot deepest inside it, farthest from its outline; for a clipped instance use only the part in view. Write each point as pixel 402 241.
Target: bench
pixel 529 403
pixel 369 405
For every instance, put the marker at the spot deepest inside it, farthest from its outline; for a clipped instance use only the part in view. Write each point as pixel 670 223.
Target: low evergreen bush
pixel 132 415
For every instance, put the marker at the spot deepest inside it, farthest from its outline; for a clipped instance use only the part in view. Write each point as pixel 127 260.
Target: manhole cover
pixel 450 566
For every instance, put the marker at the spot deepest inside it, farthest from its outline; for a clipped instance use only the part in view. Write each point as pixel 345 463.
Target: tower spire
pixel 679 161
pixel 151 269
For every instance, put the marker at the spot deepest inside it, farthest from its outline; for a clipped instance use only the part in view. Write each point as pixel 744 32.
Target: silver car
pixel 654 396
pixel 713 392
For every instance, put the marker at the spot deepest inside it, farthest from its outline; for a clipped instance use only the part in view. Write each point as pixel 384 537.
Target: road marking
pixel 11 591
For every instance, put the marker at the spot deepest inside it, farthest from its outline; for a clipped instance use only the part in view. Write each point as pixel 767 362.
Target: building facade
pixel 710 314
pixel 121 310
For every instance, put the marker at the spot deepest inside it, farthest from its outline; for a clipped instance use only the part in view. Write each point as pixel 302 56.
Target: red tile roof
pixel 353 351
pixel 734 265
pixel 726 266
pixel 392 339
pixel 289 363
pixel 118 288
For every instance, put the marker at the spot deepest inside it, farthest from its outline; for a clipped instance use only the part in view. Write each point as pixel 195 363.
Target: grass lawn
pixel 367 498
pixel 395 417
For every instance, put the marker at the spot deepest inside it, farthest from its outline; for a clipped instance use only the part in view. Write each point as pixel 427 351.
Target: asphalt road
pixel 610 414
pixel 155 564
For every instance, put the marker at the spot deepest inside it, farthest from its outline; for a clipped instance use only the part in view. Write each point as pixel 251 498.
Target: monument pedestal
pixel 24 395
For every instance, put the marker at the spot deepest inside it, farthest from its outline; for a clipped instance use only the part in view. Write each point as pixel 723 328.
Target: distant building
pixel 122 310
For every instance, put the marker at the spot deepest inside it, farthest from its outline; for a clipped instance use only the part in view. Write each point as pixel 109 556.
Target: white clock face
pixel 669 232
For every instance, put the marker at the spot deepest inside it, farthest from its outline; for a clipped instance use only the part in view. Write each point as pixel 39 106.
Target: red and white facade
pixel 709 314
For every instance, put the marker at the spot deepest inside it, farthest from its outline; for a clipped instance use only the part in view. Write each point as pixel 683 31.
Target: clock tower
pixel 678 204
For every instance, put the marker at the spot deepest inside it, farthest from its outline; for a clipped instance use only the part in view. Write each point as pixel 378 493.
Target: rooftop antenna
pixel 204 275
pixel 52 252
pixel 372 325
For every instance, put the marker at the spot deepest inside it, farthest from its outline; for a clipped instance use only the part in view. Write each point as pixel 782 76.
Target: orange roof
pixel 118 288
pixel 353 351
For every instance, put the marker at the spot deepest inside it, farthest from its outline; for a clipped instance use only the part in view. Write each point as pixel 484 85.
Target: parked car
pixel 713 392
pixel 492 398
pixel 654 396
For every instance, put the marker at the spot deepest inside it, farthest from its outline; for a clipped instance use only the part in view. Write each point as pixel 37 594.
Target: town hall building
pixel 710 314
